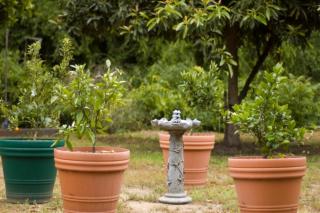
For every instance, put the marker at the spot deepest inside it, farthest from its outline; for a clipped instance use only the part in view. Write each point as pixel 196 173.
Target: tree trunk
pixel 232 44
pixel 261 58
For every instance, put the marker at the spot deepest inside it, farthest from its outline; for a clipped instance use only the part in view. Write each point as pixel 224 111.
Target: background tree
pixel 154 42
pixel 233 24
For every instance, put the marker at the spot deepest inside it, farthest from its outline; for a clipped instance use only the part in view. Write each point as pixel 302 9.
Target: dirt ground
pixel 128 206
pixel 153 207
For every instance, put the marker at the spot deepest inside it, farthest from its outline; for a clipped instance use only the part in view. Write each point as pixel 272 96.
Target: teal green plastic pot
pixel 28 168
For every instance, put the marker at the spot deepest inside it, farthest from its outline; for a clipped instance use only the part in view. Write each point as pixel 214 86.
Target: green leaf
pixel 69 144
pixel 79 117
pixel 152 23
pixel 261 19
pixel 268 13
pixel 185 31
pixel 178 27
pixel 53 99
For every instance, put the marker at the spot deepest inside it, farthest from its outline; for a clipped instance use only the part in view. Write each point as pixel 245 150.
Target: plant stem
pixel 6 66
pixel 35 135
pixel 94 142
pixel 95 131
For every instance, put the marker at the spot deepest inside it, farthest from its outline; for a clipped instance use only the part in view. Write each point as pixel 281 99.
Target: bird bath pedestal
pixel 175 180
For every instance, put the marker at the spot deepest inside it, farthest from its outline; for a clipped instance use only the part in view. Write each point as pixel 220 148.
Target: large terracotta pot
pixel 91 182
pixel 197 150
pixel 267 185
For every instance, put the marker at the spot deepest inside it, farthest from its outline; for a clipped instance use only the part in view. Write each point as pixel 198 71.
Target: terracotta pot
pixel 91 182
pixel 197 150
pixel 267 185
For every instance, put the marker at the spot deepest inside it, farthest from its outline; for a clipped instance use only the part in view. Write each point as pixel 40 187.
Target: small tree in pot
pixel 90 177
pixel 90 101
pixel 272 181
pixel 37 108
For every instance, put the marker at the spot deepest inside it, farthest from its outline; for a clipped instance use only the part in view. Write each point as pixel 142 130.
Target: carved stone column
pixel 175 180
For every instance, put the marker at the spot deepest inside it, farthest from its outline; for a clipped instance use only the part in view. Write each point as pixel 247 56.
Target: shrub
pixel 301 96
pixel 16 75
pixel 37 105
pixel 203 91
pixel 264 116
pixel 156 93
pixel 155 99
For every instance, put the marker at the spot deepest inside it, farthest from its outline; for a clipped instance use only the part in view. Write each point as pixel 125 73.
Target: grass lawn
pixel 145 179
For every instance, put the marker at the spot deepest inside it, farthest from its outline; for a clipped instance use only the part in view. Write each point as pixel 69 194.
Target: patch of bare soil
pixel 136 200
pixel 147 207
pixel 1 171
pixel 128 193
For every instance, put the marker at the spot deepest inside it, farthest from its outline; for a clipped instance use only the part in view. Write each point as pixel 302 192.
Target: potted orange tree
pixel 27 158
pixel 271 182
pixel 90 177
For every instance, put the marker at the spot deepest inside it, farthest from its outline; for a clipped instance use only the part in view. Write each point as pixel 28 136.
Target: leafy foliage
pixel 203 91
pixel 264 116
pixel 37 106
pixel 154 99
pixel 16 74
pixel 37 22
pixel 66 51
pixel 302 99
pixel 156 93
pixel 302 60
pixel 154 41
pixel 90 101
pixel 256 20
pixel 11 11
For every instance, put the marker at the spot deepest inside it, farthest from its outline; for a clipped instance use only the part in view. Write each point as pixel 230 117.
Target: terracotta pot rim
pixel 254 167
pixel 205 138
pixel 87 149
pixel 193 134
pixel 85 153
pixel 258 157
pixel 259 162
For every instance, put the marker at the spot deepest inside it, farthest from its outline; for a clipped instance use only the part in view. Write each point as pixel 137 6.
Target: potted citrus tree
pixel 271 182
pixel 90 177
pixel 27 160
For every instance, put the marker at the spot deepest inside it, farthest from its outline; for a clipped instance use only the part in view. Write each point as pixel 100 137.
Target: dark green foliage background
pixel 152 64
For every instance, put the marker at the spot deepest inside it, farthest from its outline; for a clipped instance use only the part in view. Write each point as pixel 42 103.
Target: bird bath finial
pixel 176 117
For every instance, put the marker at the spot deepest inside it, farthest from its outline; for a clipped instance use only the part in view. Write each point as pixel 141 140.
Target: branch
pixel 256 67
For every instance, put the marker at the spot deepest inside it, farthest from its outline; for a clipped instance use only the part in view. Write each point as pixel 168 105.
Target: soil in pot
pixel 267 185
pixel 197 151
pixel 91 182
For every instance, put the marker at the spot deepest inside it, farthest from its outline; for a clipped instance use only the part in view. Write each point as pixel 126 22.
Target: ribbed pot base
pixel 91 182
pixel 28 168
pixel 267 185
pixel 197 150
